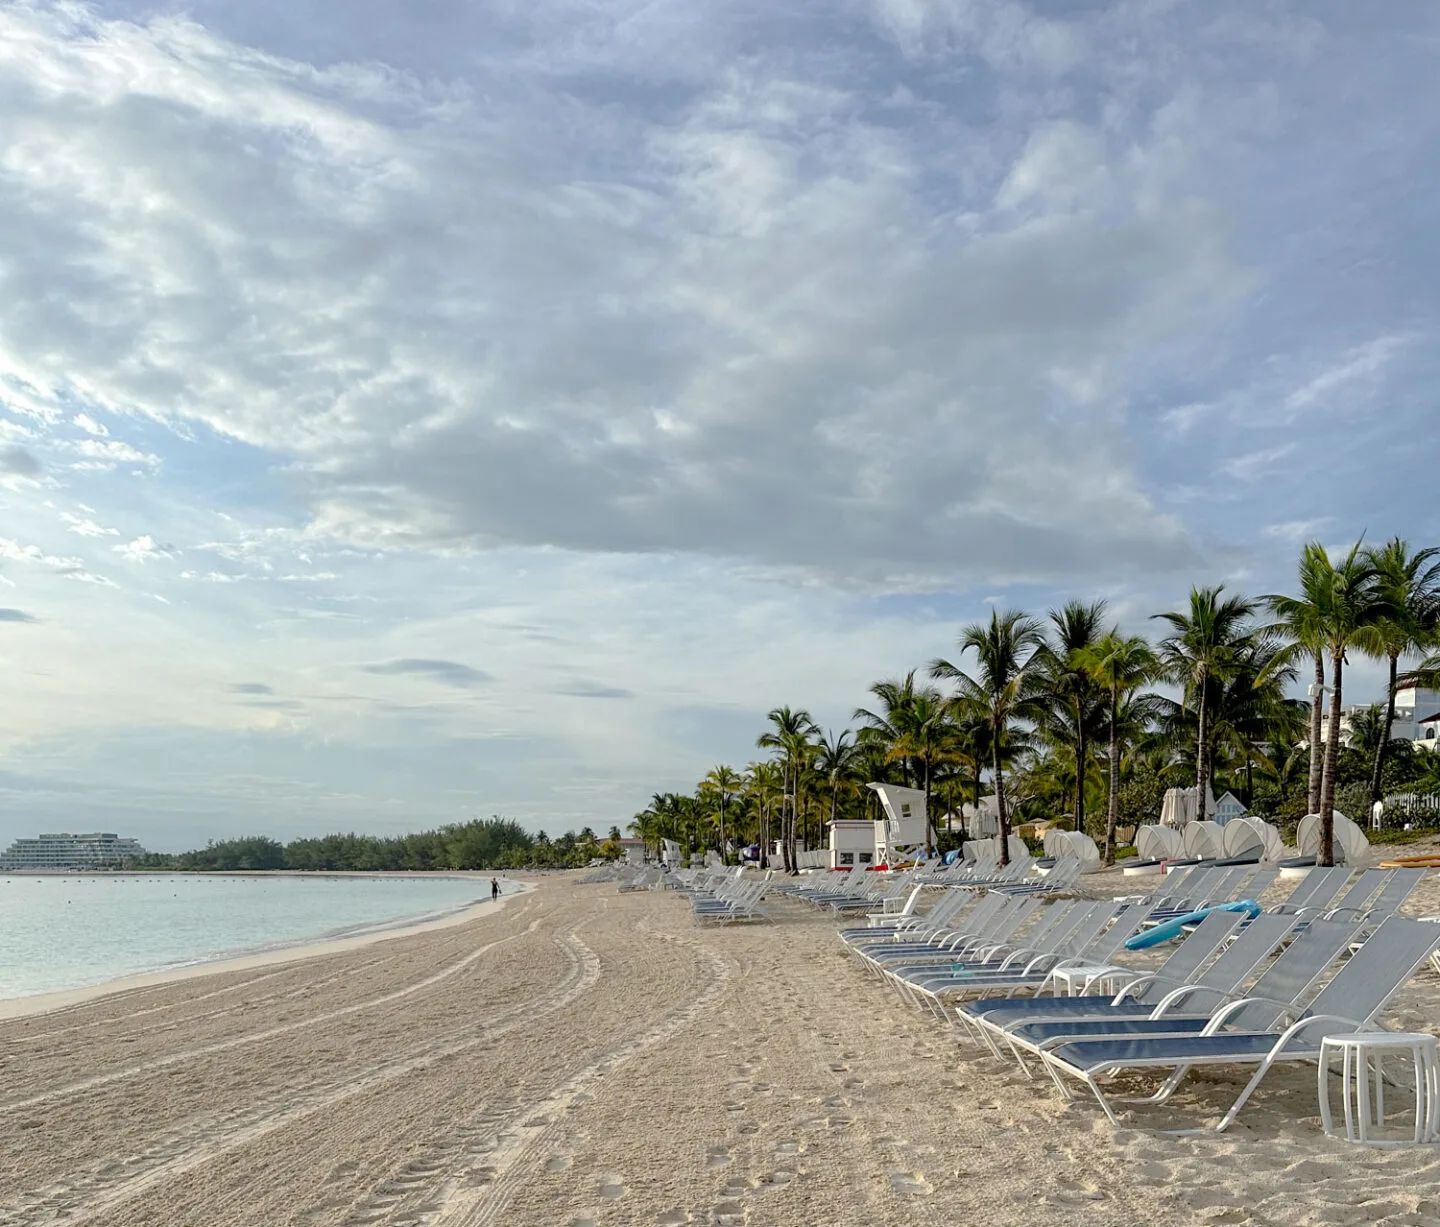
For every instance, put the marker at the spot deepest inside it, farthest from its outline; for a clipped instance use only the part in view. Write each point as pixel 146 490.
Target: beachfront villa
pixel 100 850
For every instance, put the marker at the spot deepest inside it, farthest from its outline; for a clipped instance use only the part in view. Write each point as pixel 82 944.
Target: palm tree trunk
pixel 1202 757
pixel 1080 757
pixel 791 866
pixel 1317 752
pixel 1112 815
pixel 1375 782
pixel 929 837
pixel 1332 758
pixel 722 826
pixel 1000 805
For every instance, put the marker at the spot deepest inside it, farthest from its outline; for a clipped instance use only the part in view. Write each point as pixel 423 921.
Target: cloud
pixel 1251 465
pixel 110 453
pixel 592 690
pixel 447 672
pixel 144 549
pixel 89 425
pixel 746 325
pixel 70 568
pixel 84 527
pixel 1358 366
pixel 1295 531
pixel 16 615
pixel 250 688
pixel 17 462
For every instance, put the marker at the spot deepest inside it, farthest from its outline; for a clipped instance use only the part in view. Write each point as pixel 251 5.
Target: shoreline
pixel 48 1003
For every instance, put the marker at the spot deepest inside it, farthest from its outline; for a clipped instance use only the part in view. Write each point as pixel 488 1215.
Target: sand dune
pixel 584 1057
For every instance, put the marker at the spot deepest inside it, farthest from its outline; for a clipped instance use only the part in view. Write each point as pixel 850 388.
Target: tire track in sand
pixel 77 1199
pixel 469 1180
pixel 256 1037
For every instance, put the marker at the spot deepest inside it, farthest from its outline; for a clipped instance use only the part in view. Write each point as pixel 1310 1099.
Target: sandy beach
pixel 586 1057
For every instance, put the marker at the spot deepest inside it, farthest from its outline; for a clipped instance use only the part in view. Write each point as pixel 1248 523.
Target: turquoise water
pixel 77 930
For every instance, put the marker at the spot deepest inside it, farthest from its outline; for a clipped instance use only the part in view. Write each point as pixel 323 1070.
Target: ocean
pixel 73 931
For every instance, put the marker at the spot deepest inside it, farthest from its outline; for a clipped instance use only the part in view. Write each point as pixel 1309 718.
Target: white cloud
pixel 144 549
pixel 1294 532
pixel 1348 378
pixel 1255 464
pixel 69 568
pixel 744 330
pixel 89 425
pixel 83 527
pixel 109 453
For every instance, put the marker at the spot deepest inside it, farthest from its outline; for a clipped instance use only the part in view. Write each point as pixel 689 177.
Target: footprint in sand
pixel 612 1188
pixel 720 1156
pixel 910 1184
pixel 558 1163
pixel 673 1218
pixel 729 1213
pixel 787 1148
pixel 342 1172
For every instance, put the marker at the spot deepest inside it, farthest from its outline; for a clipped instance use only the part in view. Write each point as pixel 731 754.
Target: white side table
pixel 1363 1052
pixel 1080 978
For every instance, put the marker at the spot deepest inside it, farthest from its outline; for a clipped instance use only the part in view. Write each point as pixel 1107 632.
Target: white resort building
pixel 1417 718
pixel 65 851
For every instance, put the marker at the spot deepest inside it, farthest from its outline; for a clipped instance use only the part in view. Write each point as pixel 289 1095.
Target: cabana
pixel 1351 846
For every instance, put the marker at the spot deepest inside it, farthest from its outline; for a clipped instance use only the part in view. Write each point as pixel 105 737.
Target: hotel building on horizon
pixel 99 850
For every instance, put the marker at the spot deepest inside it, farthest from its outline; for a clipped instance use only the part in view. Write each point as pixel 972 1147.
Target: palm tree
pixel 1251 709
pixel 1199 653
pixel 885 727
pixel 1120 664
pixel 837 761
pixel 763 787
pixel 1300 620
pixel 1075 629
pixel 790 738
pixel 1003 686
pixel 722 782
pixel 1410 587
pixel 1350 604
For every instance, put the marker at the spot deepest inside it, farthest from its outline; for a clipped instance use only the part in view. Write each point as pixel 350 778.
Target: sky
pixel 417 412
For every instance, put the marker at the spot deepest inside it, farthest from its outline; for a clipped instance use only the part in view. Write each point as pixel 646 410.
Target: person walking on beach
pixel 494 889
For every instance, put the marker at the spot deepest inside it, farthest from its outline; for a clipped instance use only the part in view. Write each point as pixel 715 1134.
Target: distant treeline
pixel 495 843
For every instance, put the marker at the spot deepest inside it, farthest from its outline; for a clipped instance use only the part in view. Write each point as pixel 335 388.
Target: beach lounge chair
pixel 1102 931
pixel 1316 891
pixel 1137 997
pixel 993 923
pixel 914 927
pixel 1349 1002
pixel 1396 886
pixel 1189 1009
